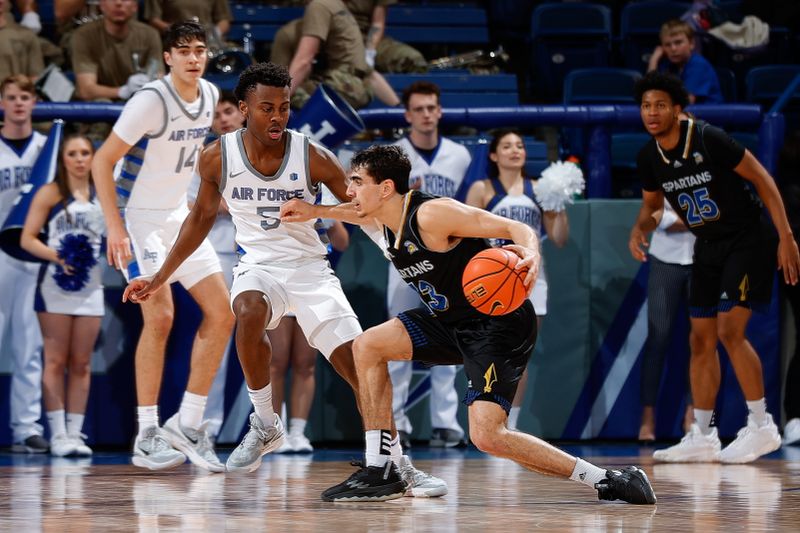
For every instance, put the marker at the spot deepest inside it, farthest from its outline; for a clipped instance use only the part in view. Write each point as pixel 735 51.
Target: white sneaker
pixel 791 432
pixel 151 450
pixel 286 447
pixel 195 443
pixel 259 441
pixel 61 445
pixel 420 484
pixel 300 444
pixel 694 447
pixel 752 442
pixel 81 449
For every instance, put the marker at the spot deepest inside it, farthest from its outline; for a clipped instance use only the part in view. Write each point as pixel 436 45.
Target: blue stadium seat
pixel 727 83
pixel 600 86
pixel 639 27
pixel 763 85
pixel 566 37
pixel 462 89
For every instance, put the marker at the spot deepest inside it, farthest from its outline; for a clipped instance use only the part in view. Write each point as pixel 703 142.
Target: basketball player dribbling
pixel 430 240
pixel 284 267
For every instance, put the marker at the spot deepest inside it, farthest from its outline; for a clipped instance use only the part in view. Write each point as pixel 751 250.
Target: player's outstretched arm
pixel 788 256
pixel 648 219
pixel 193 230
pixel 301 211
pixel 444 219
pixel 325 168
pixel 118 244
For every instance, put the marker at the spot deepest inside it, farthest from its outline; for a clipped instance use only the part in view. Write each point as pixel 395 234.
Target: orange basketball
pixel 491 284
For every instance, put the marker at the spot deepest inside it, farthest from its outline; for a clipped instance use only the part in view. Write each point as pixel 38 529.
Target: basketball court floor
pixel 106 493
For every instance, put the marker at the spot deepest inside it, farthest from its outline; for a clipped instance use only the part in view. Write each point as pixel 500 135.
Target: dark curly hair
pixel 659 81
pixel 268 74
pixel 385 163
pixel 183 33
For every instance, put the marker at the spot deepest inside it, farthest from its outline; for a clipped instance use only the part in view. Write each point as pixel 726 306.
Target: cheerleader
pixel 64 227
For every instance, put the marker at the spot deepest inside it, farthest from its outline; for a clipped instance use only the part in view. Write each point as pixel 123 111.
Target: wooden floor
pixel 43 494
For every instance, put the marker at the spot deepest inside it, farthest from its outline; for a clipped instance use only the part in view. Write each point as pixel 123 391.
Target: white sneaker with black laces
pixel 194 443
pixel 61 445
pixel 752 442
pixel 151 450
pixel 694 447
pixel 81 449
pixel 260 440
pixel 420 484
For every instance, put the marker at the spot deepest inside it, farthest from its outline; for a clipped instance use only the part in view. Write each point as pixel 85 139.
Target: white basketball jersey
pixel 521 208
pixel 157 170
pixel 443 174
pixel 15 170
pixel 254 202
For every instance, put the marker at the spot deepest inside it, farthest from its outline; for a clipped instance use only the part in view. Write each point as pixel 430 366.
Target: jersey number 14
pixel 186 162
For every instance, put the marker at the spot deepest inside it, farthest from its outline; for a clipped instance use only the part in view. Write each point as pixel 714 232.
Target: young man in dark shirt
pixel 707 176
pixel 430 240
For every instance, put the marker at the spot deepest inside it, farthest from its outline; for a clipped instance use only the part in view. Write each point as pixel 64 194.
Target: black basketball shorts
pixel 494 350
pixel 738 270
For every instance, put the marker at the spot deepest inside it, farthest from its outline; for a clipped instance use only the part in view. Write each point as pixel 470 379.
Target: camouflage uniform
pixel 340 61
pixel 392 56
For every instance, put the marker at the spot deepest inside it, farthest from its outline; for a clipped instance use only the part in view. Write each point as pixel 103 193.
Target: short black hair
pixel 269 74
pixel 421 87
pixel 226 95
pixel 385 162
pixel 183 33
pixel 660 81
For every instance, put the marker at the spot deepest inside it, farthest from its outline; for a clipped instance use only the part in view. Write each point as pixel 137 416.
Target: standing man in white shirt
pixel 159 136
pixel 438 166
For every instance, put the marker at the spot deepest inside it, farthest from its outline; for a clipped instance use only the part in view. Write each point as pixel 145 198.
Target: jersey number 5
pixel 699 208
pixel 268 221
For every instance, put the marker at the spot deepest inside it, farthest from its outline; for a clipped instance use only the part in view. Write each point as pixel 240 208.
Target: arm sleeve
pixel 144 114
pixel 317 21
pixel 644 167
pixel 81 45
pixel 722 149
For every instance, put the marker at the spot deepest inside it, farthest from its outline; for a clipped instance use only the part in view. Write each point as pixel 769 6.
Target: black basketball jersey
pixel 698 180
pixel 436 276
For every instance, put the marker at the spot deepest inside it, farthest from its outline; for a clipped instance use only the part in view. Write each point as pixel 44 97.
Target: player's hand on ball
pixel 529 259
pixel 140 290
pixel 637 244
pixel 297 211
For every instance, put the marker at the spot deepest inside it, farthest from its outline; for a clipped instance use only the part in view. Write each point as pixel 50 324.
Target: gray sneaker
pixel 420 484
pixel 195 443
pixel 259 441
pixel 32 444
pixel 153 451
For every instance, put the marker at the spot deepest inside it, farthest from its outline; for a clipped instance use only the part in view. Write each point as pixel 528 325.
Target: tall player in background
pixel 509 193
pixel 438 166
pixel 284 266
pixel 160 134
pixel 19 331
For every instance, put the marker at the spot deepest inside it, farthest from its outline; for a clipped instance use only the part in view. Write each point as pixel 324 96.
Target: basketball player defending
pixel 284 266
pixel 430 240
pixel 160 133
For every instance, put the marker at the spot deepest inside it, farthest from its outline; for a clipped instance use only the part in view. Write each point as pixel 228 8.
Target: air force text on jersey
pixel 265 193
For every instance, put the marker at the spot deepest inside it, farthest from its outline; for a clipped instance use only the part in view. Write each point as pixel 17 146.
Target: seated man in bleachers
pixel 383 52
pixel 212 14
pixel 325 46
pixel 20 52
pixel 677 56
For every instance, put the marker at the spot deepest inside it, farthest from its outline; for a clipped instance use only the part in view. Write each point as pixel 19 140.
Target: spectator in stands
pixel 20 337
pixel 70 14
pixel 382 52
pixel 438 166
pixel 328 37
pixel 670 257
pixel 508 192
pixel 214 15
pixel 29 17
pixel 111 56
pixel 20 51
pixel 291 349
pixel 677 56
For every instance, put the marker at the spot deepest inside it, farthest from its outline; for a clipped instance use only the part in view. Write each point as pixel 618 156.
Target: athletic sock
pixel 297 426
pixel 147 416
pixel 192 408
pixel 396 450
pixel 55 419
pixel 378 447
pixel 703 418
pixel 74 423
pixel 587 473
pixel 262 403
pixel 513 416
pixel 758 410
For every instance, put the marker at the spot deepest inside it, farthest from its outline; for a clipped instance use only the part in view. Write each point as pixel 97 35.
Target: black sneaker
pixel 33 444
pixel 368 484
pixel 629 484
pixel 446 438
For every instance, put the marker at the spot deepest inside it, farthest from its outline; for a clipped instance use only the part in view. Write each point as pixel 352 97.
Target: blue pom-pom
pixel 78 253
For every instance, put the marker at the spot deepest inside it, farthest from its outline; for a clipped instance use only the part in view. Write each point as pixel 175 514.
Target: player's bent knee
pixel 249 308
